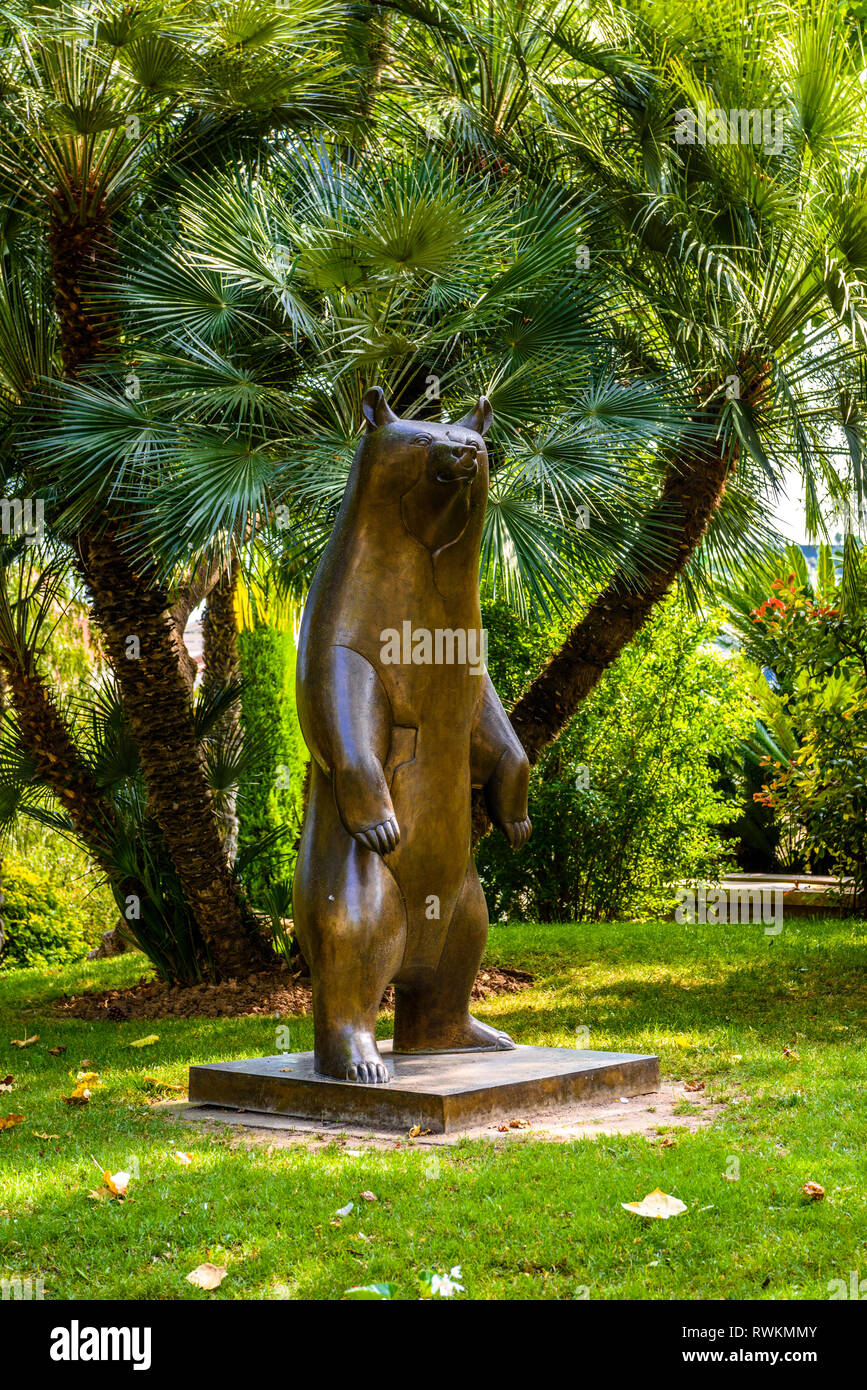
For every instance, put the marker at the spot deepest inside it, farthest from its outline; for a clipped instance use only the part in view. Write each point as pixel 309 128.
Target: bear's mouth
pixel 464 475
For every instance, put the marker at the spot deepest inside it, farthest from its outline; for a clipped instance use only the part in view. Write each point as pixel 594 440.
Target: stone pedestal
pixel 442 1093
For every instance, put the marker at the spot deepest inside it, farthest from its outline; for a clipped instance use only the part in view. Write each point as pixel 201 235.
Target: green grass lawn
pixel 524 1219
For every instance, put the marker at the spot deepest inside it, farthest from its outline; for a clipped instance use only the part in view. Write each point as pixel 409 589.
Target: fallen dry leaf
pixel 416 1131
pixel 183 1158
pixel 37 1135
pixel 369 1197
pixel 145 1042
pixel 693 1085
pixel 80 1096
pixel 519 1124
pixel 10 1121
pixel 87 1078
pixel 207 1276
pixel 165 1085
pixel 667 1141
pixel 814 1191
pixel 24 1042
pixel 56 1051
pixel 656 1205
pixel 85 1062
pixel 99 1194
pixel 117 1183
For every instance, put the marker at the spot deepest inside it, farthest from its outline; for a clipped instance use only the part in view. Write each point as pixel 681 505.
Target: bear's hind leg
pixel 432 1010
pixel 351 922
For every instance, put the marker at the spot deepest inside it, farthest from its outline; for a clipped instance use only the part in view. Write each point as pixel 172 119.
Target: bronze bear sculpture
pixel 399 730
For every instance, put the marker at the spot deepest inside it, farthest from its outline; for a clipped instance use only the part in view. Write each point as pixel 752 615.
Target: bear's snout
pixel 456 462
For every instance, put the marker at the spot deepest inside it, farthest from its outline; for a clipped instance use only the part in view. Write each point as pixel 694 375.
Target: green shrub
pixel 626 802
pixel 810 634
pixel 42 926
pixel 69 868
pixel 270 791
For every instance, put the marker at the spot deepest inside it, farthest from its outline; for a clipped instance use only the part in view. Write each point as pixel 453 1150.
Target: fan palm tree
pixel 270 305
pixel 259 321
pixel 661 327
pixel 104 109
pixel 737 269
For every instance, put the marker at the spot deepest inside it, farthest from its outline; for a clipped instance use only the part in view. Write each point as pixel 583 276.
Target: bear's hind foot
pixel 370 1073
pixel 353 1058
pixel 471 1035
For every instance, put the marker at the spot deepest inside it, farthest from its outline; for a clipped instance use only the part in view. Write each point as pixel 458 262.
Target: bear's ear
pixel 480 417
pixel 377 411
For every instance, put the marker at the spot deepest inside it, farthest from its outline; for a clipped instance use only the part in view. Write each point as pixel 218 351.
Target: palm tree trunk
pixel 79 247
pixel 150 666
pixel 48 740
pixel 46 737
pixel 220 634
pixel 141 641
pixel 691 493
pixel 690 496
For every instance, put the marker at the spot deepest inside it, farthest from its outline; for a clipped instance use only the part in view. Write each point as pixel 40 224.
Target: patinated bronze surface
pixel 385 884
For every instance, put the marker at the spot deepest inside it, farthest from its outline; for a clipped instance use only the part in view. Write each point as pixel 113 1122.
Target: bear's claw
pixel 381 838
pixel 518 832
pixel 370 1073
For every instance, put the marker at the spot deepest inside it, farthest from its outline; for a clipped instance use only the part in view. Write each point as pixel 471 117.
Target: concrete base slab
pixel 442 1093
pixel 658 1116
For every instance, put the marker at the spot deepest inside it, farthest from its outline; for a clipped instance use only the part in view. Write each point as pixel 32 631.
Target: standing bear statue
pixel 402 721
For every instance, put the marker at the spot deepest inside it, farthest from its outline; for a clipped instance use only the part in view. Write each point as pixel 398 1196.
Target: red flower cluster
pixel 818 612
pixel 758 614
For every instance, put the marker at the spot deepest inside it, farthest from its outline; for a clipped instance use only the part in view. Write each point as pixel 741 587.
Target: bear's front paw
pixel 506 796
pixel 518 832
pixel 365 806
pixel 380 838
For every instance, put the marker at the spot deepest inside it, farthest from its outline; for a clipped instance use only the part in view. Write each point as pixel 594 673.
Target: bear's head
pixel 441 470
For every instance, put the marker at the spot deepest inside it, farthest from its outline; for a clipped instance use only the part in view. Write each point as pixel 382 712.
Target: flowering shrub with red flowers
pixel 629 799
pixel 812 642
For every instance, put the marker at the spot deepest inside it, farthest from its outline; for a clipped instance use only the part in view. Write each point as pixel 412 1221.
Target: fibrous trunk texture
pixel 141 639
pixel 220 634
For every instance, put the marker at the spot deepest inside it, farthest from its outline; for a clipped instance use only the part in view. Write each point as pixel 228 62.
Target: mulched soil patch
pixel 271 992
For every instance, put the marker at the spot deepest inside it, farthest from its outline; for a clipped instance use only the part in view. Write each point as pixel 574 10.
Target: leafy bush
pixel 811 640
pixel 142 880
pixel 270 790
pixel 627 801
pixel 42 927
pixel 70 870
